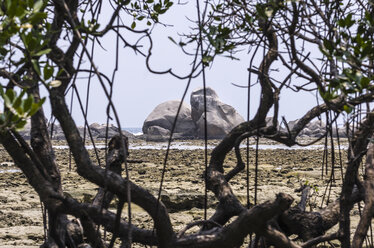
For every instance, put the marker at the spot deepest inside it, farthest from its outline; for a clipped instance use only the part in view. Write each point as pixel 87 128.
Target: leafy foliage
pixel 18 108
pixel 353 48
pixel 25 47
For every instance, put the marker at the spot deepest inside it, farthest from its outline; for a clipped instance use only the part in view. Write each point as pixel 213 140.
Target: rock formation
pixel 221 117
pixel 316 129
pixel 98 131
pixel 158 125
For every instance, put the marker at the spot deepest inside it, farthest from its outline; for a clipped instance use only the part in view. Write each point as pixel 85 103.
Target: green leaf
pixel 20 12
pixel 48 72
pixel 133 25
pixel 36 18
pixel 7 101
pixel 8 4
pixel 32 43
pixel 157 7
pixel 11 8
pixel 34 108
pixel 14 118
pixel 364 82
pixel 19 111
pixel 367 50
pixel 369 18
pixel 348 20
pixel 28 103
pixel 207 59
pixel 327 44
pixel 20 125
pixel 42 52
pixel 347 109
pixel 35 65
pixel 162 11
pixel 11 95
pixel 341 23
pixel 17 102
pixel 260 11
pixel 37 6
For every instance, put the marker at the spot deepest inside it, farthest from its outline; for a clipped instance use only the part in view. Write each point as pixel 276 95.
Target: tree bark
pixel 368 211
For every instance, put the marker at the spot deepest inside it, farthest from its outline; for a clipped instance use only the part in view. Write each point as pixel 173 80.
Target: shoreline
pixel 199 144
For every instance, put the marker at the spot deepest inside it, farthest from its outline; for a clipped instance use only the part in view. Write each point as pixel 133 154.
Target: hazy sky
pixel 137 91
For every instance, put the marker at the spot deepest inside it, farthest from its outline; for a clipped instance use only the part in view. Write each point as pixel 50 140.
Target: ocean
pixel 134 130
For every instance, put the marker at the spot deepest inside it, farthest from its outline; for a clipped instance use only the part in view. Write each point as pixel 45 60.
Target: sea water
pixel 134 130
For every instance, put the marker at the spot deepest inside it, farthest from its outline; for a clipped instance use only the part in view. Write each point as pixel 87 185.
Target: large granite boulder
pixel 158 125
pixel 221 117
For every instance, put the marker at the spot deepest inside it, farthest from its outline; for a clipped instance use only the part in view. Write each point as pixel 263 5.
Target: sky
pixel 137 91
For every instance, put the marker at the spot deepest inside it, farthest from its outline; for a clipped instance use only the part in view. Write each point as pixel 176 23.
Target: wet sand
pixel 279 170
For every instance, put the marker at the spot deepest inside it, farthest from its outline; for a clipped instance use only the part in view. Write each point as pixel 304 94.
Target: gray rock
pixel 291 124
pixel 157 133
pixel 221 117
pixel 158 125
pixel 315 128
pixel 307 132
pixel 316 125
pixel 98 131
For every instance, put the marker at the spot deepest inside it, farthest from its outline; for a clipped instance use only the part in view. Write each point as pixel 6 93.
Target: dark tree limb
pixel 320 239
pixel 106 219
pixel 41 143
pixel 278 238
pixel 358 148
pixel 217 182
pixel 115 158
pixel 105 178
pixel 368 211
pixel 249 221
pixel 309 225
